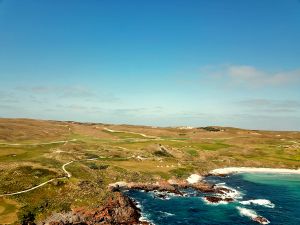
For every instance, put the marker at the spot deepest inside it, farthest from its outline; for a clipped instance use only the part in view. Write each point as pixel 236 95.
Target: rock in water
pixel 261 220
pixel 215 199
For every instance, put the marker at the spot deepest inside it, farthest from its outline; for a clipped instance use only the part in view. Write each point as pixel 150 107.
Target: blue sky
pixel 166 63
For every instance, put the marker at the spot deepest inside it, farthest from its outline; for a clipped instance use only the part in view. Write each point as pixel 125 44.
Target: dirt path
pixel 68 175
pixel 27 190
pixel 141 134
pixel 64 169
pixel 130 132
pixel 35 144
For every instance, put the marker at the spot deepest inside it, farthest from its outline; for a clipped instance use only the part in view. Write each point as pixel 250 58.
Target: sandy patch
pixel 230 170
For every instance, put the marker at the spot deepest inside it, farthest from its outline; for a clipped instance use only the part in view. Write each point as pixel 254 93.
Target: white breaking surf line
pixel 262 202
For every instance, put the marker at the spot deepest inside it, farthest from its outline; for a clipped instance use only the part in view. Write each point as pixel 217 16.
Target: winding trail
pixel 130 132
pixel 27 190
pixel 68 175
pixel 150 138
pixel 64 169
pixel 36 144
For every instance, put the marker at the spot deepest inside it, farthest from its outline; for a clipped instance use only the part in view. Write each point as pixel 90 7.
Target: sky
pixel 159 63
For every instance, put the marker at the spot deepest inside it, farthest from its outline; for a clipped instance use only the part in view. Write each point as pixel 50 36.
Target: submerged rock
pixel 215 199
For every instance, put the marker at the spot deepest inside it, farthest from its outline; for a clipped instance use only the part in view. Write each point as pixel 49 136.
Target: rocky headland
pixel 119 209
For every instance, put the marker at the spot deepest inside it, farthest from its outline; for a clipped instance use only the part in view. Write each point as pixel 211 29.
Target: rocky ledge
pixel 170 186
pixel 119 209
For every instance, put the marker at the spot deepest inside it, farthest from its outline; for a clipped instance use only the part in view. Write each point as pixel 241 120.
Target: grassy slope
pixel 175 152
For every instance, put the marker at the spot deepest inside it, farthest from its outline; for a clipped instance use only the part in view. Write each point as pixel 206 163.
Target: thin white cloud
pixel 249 76
pixel 69 92
pixel 267 105
pixel 252 76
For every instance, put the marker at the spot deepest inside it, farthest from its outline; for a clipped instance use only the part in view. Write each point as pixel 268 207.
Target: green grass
pixel 182 172
pixel 13 180
pixel 22 167
pixel 192 152
pixel 213 146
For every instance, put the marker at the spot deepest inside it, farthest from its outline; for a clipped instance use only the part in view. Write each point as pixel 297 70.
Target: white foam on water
pixel 249 213
pixel 214 203
pixel 143 217
pixel 233 193
pixel 164 195
pixel 138 204
pixel 262 202
pixel 167 213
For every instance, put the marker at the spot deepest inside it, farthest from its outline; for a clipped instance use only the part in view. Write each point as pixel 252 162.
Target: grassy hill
pixel 34 151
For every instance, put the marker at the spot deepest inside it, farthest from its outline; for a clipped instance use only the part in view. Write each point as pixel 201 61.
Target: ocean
pixel 275 197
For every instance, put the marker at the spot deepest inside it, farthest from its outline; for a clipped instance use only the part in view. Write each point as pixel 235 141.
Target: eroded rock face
pixel 119 209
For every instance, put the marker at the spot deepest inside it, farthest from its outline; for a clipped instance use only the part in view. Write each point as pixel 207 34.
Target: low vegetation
pixel 33 152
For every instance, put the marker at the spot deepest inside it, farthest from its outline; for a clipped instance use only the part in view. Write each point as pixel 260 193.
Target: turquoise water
pixel 281 190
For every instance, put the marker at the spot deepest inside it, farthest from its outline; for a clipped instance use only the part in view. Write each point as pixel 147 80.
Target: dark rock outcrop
pixel 164 186
pixel 119 209
pixel 223 190
pixel 261 220
pixel 215 199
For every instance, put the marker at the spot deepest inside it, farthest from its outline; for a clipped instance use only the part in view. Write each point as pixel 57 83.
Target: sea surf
pixel 258 198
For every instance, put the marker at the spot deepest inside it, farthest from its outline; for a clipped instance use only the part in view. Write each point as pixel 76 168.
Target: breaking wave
pixel 233 193
pixel 251 214
pixel 214 203
pixel 262 202
pixel 167 213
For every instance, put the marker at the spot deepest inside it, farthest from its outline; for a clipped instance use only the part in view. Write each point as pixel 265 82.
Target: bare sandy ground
pixel 229 170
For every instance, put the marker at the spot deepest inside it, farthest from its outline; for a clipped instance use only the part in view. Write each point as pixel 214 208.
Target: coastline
pixel 122 208
pixel 230 170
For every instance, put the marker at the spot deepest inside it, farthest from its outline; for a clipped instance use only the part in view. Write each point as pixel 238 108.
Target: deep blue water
pixel 282 190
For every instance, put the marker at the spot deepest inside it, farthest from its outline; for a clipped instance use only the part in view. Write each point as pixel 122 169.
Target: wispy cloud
pixel 250 76
pixel 8 97
pixel 69 92
pixel 267 105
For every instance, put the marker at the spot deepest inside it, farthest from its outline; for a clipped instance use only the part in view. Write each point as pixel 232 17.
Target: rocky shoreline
pixel 120 209
pixel 176 187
